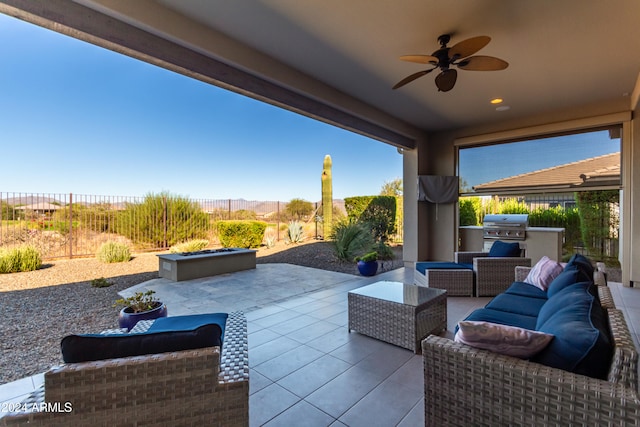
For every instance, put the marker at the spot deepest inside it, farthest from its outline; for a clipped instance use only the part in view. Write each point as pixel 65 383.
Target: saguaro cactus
pixel 327 197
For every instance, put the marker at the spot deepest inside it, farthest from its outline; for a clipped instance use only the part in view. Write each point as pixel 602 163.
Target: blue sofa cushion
pixel 582 343
pixel 526 290
pixel 582 263
pixel 165 335
pixel 437 265
pixel 517 304
pixel 502 318
pixel 504 249
pixel 567 278
pixel 561 299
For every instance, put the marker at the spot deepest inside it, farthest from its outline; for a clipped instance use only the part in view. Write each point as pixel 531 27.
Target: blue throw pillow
pixel 581 342
pixel 567 278
pixel 172 334
pixel 504 249
pixel 581 263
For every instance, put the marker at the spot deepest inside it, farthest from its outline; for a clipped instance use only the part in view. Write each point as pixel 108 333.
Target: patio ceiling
pixel 563 55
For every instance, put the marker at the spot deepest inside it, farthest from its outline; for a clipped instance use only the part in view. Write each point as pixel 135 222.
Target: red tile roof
pixel 601 170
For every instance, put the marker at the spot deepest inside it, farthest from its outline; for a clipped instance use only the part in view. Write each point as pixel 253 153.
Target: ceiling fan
pixel 458 55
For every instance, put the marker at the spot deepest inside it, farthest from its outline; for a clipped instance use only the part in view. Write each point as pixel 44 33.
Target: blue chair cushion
pixel 581 342
pixel 165 335
pixel 504 249
pixel 517 304
pixel 437 265
pixel 526 290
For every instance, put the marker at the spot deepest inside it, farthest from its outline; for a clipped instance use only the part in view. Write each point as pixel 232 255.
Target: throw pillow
pixel 503 339
pixel 504 249
pixel 543 273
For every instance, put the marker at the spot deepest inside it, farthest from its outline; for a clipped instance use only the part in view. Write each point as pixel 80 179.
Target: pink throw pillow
pixel 503 339
pixel 543 273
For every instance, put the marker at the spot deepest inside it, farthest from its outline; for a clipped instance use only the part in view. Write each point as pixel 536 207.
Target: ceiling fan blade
pixel 468 47
pixel 446 80
pixel 420 59
pixel 411 78
pixel 482 63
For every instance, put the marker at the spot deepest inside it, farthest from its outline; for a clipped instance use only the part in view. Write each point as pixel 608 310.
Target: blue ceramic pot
pixel 368 268
pixel 128 319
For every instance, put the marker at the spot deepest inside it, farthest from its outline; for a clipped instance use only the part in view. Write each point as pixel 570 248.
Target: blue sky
pixel 76 118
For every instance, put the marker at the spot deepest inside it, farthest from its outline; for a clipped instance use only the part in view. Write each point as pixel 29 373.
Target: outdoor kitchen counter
pixel 540 241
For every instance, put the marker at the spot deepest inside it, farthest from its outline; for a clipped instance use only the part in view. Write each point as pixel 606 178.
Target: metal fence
pixel 73 225
pixel 558 210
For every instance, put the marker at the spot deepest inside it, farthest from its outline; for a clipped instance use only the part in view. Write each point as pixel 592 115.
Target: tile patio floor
pixel 306 369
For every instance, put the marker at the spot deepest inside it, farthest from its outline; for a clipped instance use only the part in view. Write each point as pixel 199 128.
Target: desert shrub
pixel 241 234
pixel 101 283
pixel 377 211
pixel 189 246
pixel 298 208
pixel 162 220
pixel 383 250
pixel 295 232
pixel 21 258
pixel 350 238
pixel 111 252
pixel 270 237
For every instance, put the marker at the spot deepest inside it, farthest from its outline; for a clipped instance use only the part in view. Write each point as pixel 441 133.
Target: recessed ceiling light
pixel 503 108
pixel 496 100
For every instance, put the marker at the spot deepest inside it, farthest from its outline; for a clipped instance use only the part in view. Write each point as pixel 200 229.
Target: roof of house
pixel 39 206
pixel 595 171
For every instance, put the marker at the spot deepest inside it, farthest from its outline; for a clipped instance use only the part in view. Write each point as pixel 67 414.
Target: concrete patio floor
pixel 305 366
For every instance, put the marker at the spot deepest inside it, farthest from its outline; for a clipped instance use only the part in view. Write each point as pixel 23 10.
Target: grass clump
pixel 21 258
pixel 189 246
pixel 101 283
pixel 111 252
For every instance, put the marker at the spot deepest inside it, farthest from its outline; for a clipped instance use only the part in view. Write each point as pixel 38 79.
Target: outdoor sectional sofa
pixel 586 375
pixel 199 386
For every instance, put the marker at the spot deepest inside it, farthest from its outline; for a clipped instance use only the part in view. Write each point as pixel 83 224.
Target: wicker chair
pixel 493 275
pixel 468 386
pixel 191 387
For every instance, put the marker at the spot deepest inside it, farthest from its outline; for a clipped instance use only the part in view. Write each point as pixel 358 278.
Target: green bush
pixel 22 258
pixel 162 220
pixel 189 246
pixel 295 232
pixel 111 252
pixel 470 210
pixel 350 239
pixel 241 234
pixel 377 211
pixel 101 283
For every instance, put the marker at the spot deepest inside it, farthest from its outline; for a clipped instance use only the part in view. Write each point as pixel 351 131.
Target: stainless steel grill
pixel 505 227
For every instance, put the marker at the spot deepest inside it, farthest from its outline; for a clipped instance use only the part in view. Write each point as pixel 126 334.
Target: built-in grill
pixel 505 227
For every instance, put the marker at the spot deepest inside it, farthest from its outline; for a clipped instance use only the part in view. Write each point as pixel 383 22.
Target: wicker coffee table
pixel 397 313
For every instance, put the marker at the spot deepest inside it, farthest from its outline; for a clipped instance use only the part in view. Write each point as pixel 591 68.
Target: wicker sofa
pixel 471 386
pixel 189 387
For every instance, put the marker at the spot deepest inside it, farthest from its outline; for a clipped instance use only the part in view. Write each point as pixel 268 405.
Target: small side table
pixel 398 313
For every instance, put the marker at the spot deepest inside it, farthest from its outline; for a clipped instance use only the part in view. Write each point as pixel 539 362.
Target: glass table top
pixel 399 292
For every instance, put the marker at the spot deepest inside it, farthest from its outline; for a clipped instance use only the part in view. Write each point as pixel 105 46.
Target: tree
pixel 299 208
pixel 392 188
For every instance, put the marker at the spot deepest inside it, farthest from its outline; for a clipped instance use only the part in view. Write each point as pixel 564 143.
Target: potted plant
pixel 368 263
pixel 139 306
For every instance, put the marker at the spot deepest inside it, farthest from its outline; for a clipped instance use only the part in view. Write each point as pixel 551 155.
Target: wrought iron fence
pixel 72 225
pixel 552 210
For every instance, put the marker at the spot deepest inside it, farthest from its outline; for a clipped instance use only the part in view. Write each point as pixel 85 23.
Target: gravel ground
pixel 40 307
